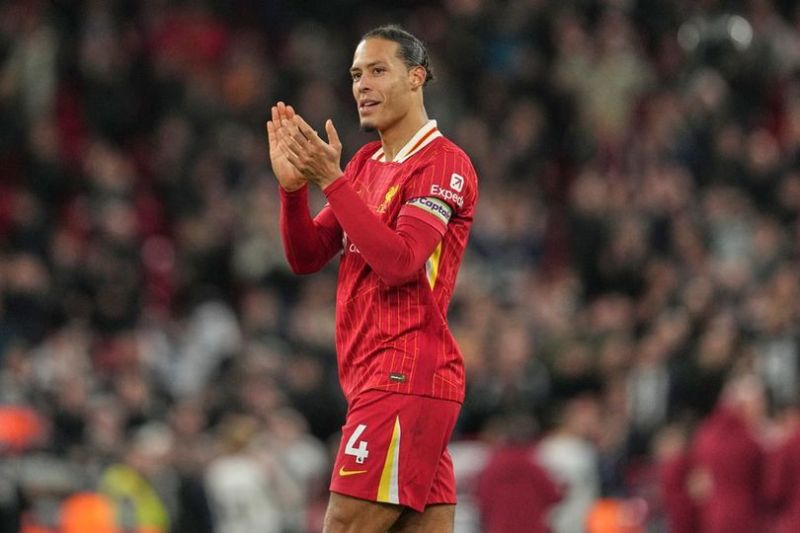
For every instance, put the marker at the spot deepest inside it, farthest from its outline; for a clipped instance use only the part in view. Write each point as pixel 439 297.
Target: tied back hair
pixel 410 49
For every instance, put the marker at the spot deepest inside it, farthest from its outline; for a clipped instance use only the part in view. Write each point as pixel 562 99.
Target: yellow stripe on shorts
pixel 388 490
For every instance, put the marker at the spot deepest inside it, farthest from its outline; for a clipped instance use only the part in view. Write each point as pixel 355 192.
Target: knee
pixel 349 515
pixel 344 516
pixel 338 520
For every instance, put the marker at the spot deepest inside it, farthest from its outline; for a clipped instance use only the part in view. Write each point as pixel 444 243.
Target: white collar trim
pixel 424 136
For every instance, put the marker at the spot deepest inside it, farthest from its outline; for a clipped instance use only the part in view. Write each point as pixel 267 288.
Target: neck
pixel 397 135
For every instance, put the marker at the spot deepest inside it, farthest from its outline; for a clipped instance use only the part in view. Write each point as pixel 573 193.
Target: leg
pixel 437 518
pixel 346 514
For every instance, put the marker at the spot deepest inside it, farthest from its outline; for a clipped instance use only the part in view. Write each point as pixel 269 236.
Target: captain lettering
pixel 434 206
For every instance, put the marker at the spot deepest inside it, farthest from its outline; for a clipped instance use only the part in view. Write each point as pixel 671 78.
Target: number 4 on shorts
pixel 360 452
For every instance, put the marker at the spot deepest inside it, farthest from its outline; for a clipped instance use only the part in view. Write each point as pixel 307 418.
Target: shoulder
pixel 450 167
pixel 446 159
pixel 445 149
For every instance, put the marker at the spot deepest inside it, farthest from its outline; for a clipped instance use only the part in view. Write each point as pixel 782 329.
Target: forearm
pixel 395 255
pixel 308 243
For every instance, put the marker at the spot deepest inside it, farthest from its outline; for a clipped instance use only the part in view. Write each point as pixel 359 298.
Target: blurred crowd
pixel 630 298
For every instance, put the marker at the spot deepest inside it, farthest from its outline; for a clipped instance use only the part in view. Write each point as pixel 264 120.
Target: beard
pixel 368 128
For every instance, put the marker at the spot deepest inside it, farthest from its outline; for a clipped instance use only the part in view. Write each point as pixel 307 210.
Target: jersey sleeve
pixel 310 243
pixel 395 255
pixel 443 187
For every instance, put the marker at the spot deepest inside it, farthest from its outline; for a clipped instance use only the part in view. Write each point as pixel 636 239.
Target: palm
pixel 288 176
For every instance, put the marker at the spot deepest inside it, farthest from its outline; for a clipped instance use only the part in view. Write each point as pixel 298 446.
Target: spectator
pixel 781 480
pixel 728 462
pixel 674 465
pixel 514 492
pixel 144 487
pixel 569 454
pixel 243 482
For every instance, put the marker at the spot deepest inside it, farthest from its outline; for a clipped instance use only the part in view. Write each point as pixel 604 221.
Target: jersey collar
pixel 424 136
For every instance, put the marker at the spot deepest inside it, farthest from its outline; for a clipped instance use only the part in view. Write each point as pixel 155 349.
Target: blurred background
pixel 635 246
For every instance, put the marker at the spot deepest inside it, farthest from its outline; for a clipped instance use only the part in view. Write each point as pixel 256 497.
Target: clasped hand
pixel 293 141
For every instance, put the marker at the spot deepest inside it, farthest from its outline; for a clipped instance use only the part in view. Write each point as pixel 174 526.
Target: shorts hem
pixel 362 496
pixel 440 503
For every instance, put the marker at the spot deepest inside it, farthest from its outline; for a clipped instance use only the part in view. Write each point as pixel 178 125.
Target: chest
pixel 380 185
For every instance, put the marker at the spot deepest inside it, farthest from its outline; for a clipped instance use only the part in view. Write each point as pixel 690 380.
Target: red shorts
pixel 394 450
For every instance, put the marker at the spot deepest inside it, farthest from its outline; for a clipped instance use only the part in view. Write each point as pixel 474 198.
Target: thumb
pixel 333 136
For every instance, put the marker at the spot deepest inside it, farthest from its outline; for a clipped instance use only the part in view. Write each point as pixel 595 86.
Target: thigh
pixel 443 489
pixel 439 518
pixel 346 514
pixel 391 448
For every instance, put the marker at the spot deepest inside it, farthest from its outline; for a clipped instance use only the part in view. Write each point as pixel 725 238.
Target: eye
pixel 378 71
pixel 355 76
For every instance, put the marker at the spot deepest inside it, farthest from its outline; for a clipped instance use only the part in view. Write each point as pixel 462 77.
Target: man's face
pixel 382 84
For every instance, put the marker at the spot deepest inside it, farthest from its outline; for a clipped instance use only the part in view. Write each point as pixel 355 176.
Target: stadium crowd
pixel 630 300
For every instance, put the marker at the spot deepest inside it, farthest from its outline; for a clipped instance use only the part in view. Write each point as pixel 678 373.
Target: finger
pixel 279 133
pixel 300 151
pixel 282 117
pixel 271 136
pixel 285 125
pixel 294 131
pixel 286 128
pixel 275 117
pixel 290 112
pixel 294 138
pixel 299 136
pixel 303 126
pixel 291 145
pixel 293 159
pixel 333 135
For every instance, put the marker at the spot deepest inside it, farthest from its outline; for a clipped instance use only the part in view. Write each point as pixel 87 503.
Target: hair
pixel 410 49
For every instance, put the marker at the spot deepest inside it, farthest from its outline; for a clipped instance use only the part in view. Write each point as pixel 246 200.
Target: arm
pixel 308 243
pixel 396 256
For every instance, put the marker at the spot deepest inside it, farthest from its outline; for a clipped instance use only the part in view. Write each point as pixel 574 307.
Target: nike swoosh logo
pixel 345 473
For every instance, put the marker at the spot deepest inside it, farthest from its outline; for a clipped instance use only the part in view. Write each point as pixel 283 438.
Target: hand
pixel 287 174
pixel 317 160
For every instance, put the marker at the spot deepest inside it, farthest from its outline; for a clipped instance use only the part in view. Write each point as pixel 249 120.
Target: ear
pixel 417 76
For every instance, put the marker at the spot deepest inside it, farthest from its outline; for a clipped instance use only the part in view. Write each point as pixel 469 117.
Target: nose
pixel 362 85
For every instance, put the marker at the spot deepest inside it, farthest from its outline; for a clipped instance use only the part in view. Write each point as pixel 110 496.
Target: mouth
pixel 367 106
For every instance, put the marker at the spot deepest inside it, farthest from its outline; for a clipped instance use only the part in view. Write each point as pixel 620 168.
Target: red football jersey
pixel 397 338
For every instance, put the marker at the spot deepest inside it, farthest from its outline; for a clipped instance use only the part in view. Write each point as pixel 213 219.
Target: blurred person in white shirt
pixel 571 458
